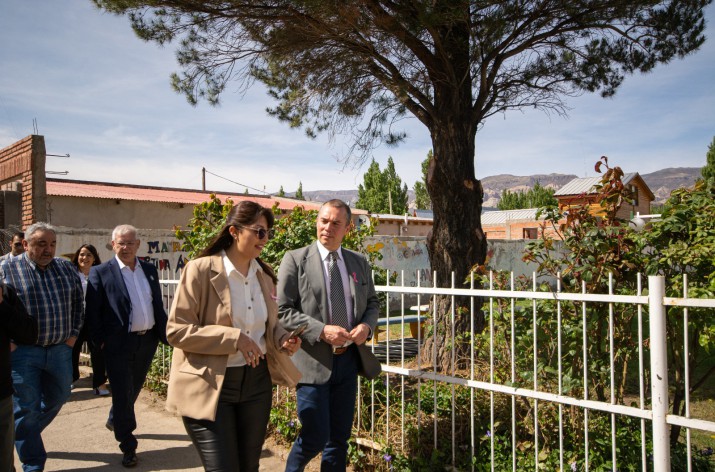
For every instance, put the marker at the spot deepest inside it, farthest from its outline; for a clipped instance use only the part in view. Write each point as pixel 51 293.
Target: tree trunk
pixel 456 243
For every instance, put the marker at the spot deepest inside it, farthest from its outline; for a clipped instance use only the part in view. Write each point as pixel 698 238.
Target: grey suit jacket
pixel 303 298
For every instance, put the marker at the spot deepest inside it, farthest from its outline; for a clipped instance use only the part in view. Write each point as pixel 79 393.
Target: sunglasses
pixel 260 232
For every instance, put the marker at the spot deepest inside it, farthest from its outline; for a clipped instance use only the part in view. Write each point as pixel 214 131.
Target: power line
pixel 237 183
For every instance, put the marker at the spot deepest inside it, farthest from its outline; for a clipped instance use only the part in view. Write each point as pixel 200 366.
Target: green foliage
pixel 299 192
pixel 284 421
pixel 382 191
pixel 205 224
pixel 422 199
pixel 708 171
pixel 158 375
pixel 535 197
pixel 595 248
pixel 281 192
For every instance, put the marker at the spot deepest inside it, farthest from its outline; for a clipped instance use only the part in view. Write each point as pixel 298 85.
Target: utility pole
pixel 203 179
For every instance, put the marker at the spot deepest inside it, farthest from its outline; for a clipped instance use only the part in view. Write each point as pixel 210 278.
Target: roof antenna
pixel 34 127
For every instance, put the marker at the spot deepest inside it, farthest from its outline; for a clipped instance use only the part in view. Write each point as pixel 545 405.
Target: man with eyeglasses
pixel 126 318
pixel 16 246
pixel 50 289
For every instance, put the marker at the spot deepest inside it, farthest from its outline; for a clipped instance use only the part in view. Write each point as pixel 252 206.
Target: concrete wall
pixel 409 257
pixel 158 246
pixel 81 212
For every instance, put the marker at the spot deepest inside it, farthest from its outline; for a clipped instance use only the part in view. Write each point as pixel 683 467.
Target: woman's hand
pixel 250 350
pixel 291 345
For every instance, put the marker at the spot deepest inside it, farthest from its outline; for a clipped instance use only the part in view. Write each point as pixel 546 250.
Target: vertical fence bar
pixel 659 373
pixel 387 359
pixel 453 369
pixel 419 358
pixel 434 361
pixel 611 342
pixel 686 348
pixel 560 374
pixel 472 436
pixel 402 377
pixel 585 376
pixel 513 382
pixel 641 375
pixel 491 368
pixel 536 377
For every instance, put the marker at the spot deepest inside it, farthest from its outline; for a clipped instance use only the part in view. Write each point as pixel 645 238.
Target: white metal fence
pixel 555 381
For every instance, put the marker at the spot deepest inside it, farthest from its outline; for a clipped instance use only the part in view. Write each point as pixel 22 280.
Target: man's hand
pixel 335 335
pixel 71 340
pixel 360 333
pixel 13 346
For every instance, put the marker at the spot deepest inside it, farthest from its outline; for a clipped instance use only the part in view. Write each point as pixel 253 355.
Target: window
pixel 530 233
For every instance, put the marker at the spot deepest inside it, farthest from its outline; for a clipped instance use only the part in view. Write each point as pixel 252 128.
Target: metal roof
pixel 114 191
pixel 585 185
pixel 501 217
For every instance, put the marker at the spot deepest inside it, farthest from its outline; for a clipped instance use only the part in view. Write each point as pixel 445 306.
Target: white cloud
pixel 102 95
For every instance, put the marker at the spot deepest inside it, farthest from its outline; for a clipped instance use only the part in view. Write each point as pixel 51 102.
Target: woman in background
pixel 229 344
pixel 86 257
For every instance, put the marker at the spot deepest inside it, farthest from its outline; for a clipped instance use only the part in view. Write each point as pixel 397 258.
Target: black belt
pixel 140 333
pixel 339 350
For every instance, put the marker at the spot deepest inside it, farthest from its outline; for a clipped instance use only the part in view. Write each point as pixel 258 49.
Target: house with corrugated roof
pixel 583 190
pixel 86 211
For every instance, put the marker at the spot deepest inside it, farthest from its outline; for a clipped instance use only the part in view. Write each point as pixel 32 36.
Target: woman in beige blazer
pixel 228 344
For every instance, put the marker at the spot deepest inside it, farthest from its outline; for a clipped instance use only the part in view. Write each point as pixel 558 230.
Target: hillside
pixel 661 183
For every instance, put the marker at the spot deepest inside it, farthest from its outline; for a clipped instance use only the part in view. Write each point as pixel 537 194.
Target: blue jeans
pixel 41 377
pixel 326 415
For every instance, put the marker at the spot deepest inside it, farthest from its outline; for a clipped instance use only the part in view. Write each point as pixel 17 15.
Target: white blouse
pixel 248 308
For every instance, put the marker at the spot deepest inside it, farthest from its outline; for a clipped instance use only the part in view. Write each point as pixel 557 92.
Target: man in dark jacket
pixel 16 326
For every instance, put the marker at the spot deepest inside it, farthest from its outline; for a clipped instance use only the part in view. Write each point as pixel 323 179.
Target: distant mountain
pixel 495 185
pixel 661 183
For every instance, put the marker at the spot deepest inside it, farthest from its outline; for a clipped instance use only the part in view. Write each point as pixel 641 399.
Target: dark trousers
pixel 7 435
pixel 99 374
pixel 326 415
pixel 128 359
pixel 234 441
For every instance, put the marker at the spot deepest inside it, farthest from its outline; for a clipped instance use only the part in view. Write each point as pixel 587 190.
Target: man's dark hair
pixel 337 203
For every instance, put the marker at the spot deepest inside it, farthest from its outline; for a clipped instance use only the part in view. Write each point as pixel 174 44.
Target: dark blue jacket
pixel 108 305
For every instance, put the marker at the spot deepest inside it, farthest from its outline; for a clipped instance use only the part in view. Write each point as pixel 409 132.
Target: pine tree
pixel 299 192
pixel 422 200
pixel 281 192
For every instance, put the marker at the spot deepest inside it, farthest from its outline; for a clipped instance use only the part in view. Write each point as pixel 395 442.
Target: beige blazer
pixel 203 336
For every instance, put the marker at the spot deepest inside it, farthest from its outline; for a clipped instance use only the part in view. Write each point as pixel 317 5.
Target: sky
pixel 100 94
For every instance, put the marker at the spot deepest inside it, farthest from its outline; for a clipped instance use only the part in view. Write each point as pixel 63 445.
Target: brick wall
pixel 24 162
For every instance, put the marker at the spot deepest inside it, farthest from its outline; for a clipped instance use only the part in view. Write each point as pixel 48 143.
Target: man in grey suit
pixel 329 289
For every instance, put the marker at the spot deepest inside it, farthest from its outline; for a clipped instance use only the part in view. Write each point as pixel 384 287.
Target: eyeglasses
pixel 260 232
pixel 124 243
pixel 17 244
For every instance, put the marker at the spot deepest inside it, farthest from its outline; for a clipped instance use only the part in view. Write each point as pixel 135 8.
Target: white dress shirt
pixel 248 308
pixel 142 315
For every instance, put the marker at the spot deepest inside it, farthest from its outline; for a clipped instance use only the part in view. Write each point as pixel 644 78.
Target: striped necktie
pixel 337 295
